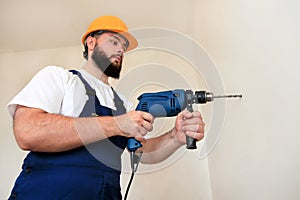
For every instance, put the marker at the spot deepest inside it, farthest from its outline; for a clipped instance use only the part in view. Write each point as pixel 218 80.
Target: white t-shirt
pixel 56 90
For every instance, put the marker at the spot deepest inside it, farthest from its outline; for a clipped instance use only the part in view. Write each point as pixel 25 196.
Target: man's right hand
pixel 135 124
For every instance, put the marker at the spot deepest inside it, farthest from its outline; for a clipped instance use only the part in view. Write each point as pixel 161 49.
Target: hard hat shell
pixel 111 23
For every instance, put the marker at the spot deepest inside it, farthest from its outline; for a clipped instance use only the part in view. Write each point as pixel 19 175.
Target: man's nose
pixel 120 50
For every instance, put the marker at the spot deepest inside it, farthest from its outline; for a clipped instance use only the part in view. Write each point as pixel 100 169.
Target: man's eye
pixel 115 43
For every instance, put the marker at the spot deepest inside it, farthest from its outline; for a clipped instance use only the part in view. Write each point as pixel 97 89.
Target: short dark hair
pixel 85 52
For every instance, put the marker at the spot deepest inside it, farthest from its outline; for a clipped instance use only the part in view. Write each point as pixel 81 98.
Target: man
pixel 76 126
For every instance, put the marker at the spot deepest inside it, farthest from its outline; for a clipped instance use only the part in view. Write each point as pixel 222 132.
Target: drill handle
pixel 132 143
pixel 190 142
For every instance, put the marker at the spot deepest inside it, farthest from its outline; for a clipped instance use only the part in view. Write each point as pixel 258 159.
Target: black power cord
pixel 135 160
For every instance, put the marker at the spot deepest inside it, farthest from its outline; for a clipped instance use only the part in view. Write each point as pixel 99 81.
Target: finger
pixel 193 121
pixel 148 126
pixel 142 131
pixel 139 138
pixel 196 135
pixel 186 114
pixel 148 117
pixel 193 128
pixel 197 114
pixel 183 115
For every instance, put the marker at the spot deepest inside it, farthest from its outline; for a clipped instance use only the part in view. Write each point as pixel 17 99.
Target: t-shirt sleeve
pixel 45 91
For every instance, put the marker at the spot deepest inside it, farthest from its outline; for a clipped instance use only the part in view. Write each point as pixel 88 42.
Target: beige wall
pixel 255 46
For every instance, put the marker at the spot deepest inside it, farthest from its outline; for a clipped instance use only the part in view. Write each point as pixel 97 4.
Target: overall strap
pixel 119 103
pixel 103 111
pixel 89 90
pixel 90 107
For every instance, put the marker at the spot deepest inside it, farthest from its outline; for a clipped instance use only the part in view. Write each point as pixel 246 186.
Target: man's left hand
pixel 191 124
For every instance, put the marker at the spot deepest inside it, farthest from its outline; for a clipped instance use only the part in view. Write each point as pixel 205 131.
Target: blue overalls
pixel 90 172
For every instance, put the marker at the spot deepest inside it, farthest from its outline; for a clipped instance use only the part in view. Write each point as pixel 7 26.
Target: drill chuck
pixel 202 97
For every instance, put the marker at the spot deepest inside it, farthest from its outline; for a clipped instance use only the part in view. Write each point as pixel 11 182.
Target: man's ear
pixel 91 42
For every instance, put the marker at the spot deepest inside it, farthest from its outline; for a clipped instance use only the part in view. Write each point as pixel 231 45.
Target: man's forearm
pixel 186 124
pixel 160 148
pixel 37 130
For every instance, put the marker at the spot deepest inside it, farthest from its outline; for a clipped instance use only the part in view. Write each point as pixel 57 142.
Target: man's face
pixel 108 54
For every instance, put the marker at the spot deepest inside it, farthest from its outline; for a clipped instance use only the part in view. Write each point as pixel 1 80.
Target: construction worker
pixel 75 126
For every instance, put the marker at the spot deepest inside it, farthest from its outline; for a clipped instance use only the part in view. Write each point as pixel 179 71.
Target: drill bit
pixel 229 96
pixel 204 97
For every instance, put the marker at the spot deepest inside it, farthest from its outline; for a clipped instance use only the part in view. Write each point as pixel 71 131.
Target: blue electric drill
pixel 171 103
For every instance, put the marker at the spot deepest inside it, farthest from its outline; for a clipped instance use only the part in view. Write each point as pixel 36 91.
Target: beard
pixel 105 65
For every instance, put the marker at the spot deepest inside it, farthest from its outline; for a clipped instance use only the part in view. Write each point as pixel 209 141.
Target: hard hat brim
pixel 133 43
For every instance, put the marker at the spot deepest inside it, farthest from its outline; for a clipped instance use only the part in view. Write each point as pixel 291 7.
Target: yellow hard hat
pixel 111 23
